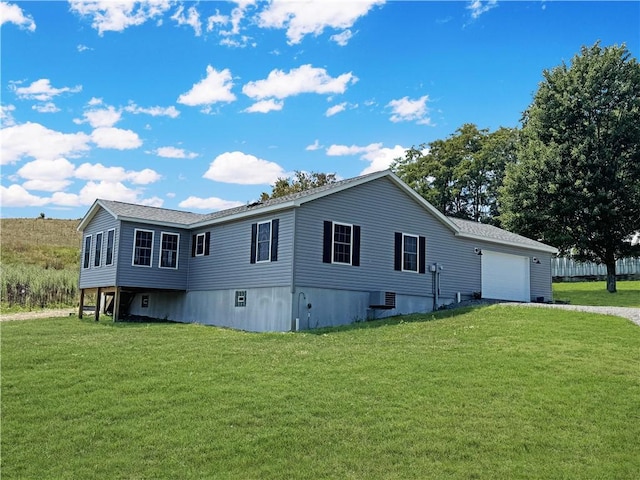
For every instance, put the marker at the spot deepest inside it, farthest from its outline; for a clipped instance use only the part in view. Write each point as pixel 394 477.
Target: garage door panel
pixel 505 276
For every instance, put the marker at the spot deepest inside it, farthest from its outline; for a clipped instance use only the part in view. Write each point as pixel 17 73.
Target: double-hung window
pixel 109 252
pixel 264 241
pixel 87 252
pixel 143 248
pixel 200 244
pixel 98 252
pixel 341 243
pixel 410 253
pixel 169 250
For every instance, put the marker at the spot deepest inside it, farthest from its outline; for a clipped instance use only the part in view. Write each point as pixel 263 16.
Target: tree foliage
pixel 300 182
pixel 576 184
pixel 462 174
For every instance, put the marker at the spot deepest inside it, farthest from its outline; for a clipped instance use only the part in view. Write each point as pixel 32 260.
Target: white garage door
pixel 505 277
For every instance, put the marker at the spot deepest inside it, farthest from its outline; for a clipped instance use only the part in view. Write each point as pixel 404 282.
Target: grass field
pixel 595 293
pixel 495 392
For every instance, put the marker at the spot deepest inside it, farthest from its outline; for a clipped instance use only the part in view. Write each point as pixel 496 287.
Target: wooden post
pixel 116 304
pixel 98 302
pixel 81 308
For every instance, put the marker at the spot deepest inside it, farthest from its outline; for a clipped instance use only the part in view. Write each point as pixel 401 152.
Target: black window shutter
pixel 397 254
pixel 274 239
pixel 207 240
pixel 355 261
pixel 193 245
pixel 422 254
pixel 254 236
pixel 327 241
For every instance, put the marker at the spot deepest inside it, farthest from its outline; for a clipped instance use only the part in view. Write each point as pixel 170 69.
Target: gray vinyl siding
pixel 380 209
pixel 103 275
pixel 153 276
pixel 228 264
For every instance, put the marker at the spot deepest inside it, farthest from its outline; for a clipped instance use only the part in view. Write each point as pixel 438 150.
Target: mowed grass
pixel 595 293
pixel 496 392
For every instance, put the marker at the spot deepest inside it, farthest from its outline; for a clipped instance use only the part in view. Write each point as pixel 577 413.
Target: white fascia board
pixel 154 222
pixel 541 248
pixel 97 204
pixel 418 198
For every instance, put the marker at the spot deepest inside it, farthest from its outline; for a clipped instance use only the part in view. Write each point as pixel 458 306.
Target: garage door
pixel 505 277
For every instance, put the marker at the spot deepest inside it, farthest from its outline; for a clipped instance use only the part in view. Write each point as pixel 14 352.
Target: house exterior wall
pixel 104 275
pixel 153 276
pixel 266 309
pixel 381 209
pixel 228 264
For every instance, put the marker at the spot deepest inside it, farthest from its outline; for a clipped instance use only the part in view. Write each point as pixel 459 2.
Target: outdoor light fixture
pixel 535 260
pixel 478 251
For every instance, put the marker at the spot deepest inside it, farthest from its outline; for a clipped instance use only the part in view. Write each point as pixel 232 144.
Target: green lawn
pixel 595 293
pixel 496 392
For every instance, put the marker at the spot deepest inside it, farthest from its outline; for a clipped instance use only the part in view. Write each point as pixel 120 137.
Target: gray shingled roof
pixel 494 233
pixel 154 214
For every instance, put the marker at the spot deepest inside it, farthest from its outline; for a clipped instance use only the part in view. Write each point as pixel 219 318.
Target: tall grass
pixel 30 286
pixel 40 259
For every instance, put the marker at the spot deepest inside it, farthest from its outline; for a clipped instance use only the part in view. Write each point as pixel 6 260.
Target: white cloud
pixel 304 79
pixel 17 196
pixel 83 48
pixel 55 169
pixel 42 90
pixel 314 146
pixel 211 203
pixel 6 115
pixel 241 168
pixel 117 138
pixel 156 111
pixel 407 110
pixel 34 140
pixel 379 157
pixel 304 18
pixel 10 13
pixel 102 117
pixel 478 7
pixel 192 19
pixel 109 190
pixel 331 111
pixel 173 152
pixel 48 107
pixel 117 15
pixel 342 38
pixel 46 185
pixel 216 87
pixel 97 171
pixel 265 106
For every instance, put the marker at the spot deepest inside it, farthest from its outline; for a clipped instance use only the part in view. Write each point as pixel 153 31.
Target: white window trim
pixel 84 257
pixel 258 236
pixel 204 248
pixel 417 237
pixel 162 234
pixel 133 253
pixel 113 247
pixel 95 248
pixel 333 243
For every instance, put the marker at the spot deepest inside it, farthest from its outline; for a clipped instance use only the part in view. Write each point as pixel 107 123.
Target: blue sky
pixel 201 106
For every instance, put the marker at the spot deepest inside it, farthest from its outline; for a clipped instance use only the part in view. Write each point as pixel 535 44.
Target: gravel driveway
pixel 632 314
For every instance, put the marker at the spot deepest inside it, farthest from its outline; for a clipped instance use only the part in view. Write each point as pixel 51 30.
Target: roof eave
pixel 539 248
pixel 91 213
pixel 242 215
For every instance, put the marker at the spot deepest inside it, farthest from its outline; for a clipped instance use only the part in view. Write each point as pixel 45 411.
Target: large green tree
pixel 461 175
pixel 576 184
pixel 300 182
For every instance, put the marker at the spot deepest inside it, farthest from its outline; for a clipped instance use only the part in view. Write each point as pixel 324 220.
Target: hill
pixel 47 243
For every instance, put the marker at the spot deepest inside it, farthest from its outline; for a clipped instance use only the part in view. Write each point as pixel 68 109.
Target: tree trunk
pixel 611 276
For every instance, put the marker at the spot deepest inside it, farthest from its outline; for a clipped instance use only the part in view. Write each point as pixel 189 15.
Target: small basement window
pixel 144 303
pixel 241 298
